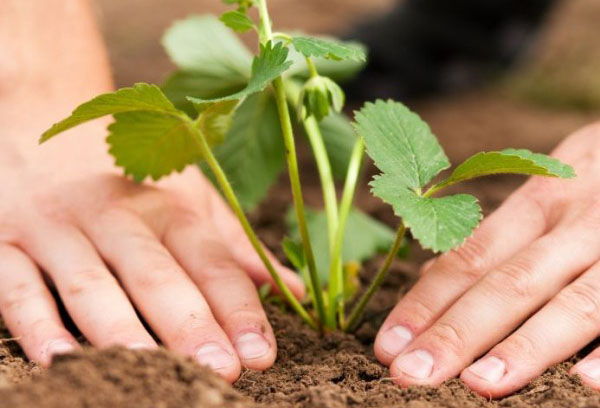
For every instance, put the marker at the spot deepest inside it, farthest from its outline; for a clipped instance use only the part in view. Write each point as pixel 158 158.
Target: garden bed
pixel 338 370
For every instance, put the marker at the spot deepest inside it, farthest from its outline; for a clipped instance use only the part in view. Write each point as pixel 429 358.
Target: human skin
pixel 69 220
pixel 522 294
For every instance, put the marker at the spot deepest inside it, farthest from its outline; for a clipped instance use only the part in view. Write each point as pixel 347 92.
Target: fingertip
pixel 390 342
pixel 256 351
pixel 294 282
pixel 55 347
pixel 488 377
pixel 588 371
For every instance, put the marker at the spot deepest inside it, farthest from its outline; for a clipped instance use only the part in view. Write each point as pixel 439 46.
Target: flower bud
pixel 319 95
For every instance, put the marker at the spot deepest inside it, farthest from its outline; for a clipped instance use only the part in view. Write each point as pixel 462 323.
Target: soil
pixel 338 370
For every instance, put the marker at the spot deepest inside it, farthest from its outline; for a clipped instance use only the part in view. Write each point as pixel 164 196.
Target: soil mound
pixel 117 378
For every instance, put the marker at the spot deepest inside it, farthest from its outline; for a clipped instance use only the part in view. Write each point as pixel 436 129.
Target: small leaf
pixel 294 253
pixel 552 165
pixel 400 143
pixel 151 144
pixel 508 161
pixel 140 97
pixel 364 237
pixel 252 154
pixel 322 47
pixel 439 224
pixel 202 44
pixel 237 21
pixel 270 64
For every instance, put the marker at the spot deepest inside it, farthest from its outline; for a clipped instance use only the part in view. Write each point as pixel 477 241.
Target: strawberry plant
pixel 234 115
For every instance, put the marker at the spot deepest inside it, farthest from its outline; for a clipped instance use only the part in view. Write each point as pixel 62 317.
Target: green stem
pixel 312 69
pixel 239 212
pixel 359 309
pixel 313 132
pixel 292 161
pixel 336 276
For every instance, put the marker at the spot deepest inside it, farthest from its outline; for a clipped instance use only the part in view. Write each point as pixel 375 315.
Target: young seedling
pixel 232 114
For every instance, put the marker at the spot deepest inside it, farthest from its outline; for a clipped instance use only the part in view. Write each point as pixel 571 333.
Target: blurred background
pixel 551 89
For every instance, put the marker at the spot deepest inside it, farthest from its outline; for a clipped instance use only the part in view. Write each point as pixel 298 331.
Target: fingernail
pixel 140 346
pixel 590 368
pixel 251 345
pixel 395 339
pixel 57 347
pixel 491 369
pixel 417 364
pixel 214 356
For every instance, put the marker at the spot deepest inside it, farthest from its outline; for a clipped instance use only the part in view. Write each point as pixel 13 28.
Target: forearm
pixel 52 59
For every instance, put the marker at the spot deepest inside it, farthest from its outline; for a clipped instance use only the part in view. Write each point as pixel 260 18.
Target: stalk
pixel 336 276
pixel 265 34
pixel 359 309
pixel 313 132
pixel 239 212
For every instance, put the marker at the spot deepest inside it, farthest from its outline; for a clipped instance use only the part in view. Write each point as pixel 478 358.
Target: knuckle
pixel 20 295
pixel 514 279
pixel 472 257
pixel 245 318
pixel 415 309
pixel 450 335
pixel 520 344
pixel 157 277
pixel 582 299
pixel 88 279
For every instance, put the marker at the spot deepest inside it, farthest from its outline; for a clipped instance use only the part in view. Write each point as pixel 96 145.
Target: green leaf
pixel 214 119
pixel 270 64
pixel 204 45
pixel 237 21
pixel 294 253
pixel 364 237
pixel 439 224
pixel 400 143
pixel 553 166
pixel 509 161
pixel 151 144
pixel 252 154
pixel 322 47
pixel 140 97
pixel 339 137
pixel 182 84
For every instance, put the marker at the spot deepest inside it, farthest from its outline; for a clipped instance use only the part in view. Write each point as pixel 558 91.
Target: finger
pixel 168 299
pixel 588 369
pixel 515 224
pixel 244 253
pixel 498 303
pixel 29 310
pixel 563 327
pixel 91 294
pixel 231 294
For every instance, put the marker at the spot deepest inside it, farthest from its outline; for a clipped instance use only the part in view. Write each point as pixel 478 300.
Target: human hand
pixel 170 250
pixel 525 289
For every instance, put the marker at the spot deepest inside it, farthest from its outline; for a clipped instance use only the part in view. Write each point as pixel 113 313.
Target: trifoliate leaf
pixel 140 97
pixel 363 238
pixel 553 166
pixel 252 154
pixel 508 161
pixel 237 21
pixel 400 143
pixel 439 224
pixel 270 64
pixel 151 144
pixel 339 137
pixel 202 44
pixel 322 47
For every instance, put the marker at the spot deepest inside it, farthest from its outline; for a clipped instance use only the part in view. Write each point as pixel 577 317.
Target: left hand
pixel 525 289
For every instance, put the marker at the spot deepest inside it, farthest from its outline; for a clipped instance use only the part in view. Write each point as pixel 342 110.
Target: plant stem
pixel 239 212
pixel 336 276
pixel 312 69
pixel 313 132
pixel 292 161
pixel 358 310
